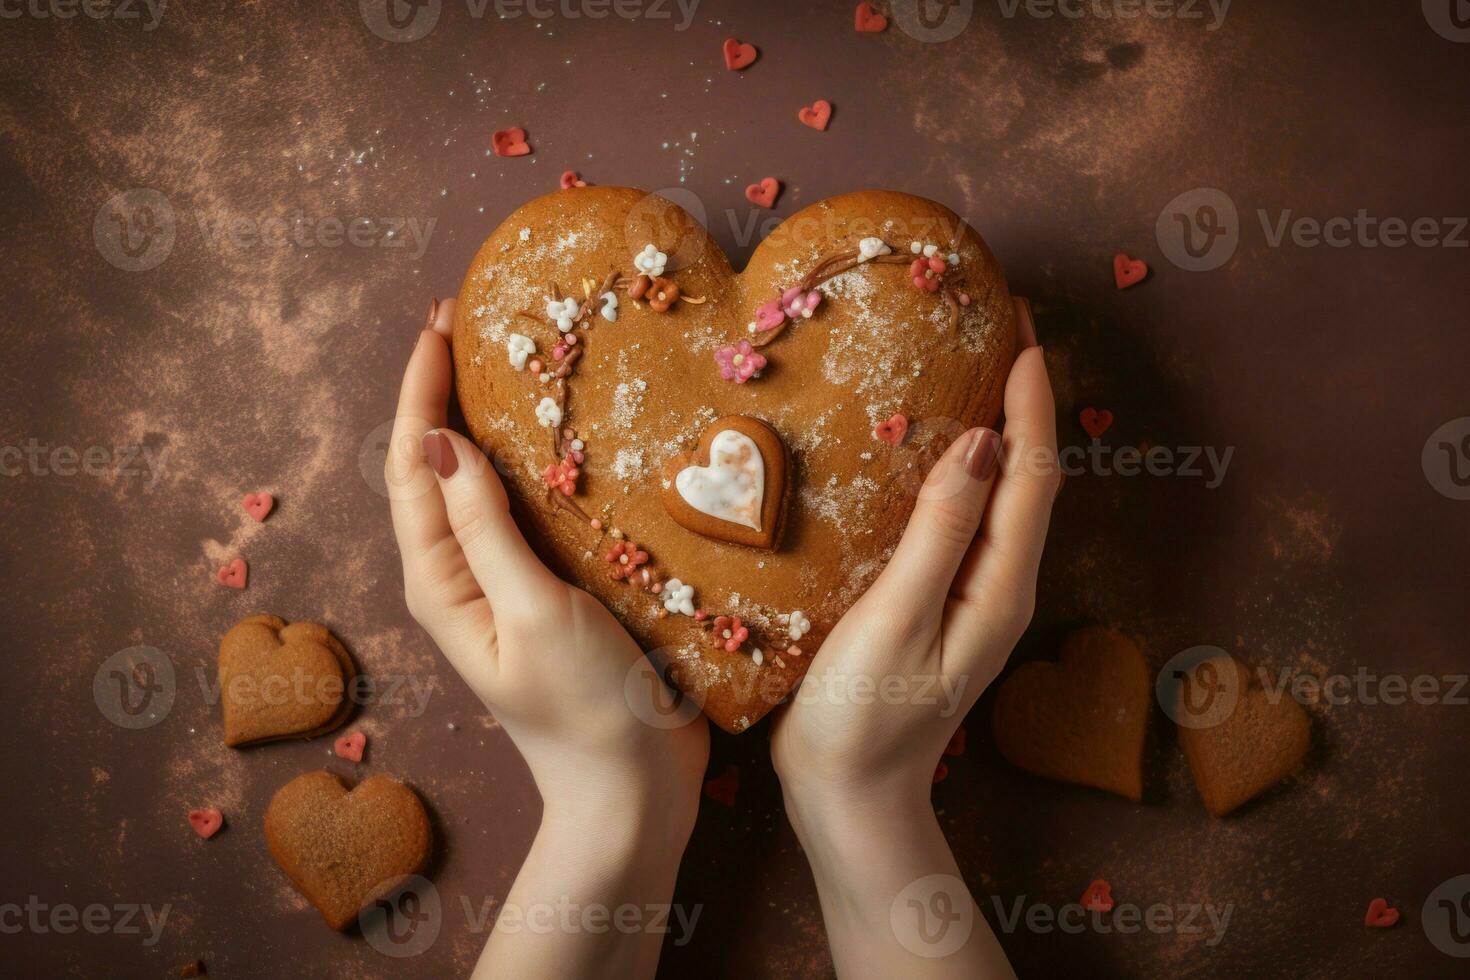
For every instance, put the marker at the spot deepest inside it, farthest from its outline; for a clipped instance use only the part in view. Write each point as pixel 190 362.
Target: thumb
pixel 945 519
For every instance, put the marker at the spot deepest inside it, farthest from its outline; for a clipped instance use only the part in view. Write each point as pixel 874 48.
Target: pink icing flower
pixel 739 363
pixel 625 559
pixel 926 272
pixel 730 633
pixel 562 476
pixel 769 315
pixel 795 303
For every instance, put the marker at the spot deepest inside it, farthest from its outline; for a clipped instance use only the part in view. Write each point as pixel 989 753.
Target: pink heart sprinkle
pixel 892 431
pixel 571 179
pixel 234 575
pixel 763 193
pixel 206 822
pixel 350 746
pixel 259 505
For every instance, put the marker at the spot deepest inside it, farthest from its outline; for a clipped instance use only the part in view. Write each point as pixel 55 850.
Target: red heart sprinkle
pixel 258 505
pixel 869 21
pixel 722 788
pixel 941 773
pixel 572 179
pixel 1095 421
pixel 1098 897
pixel 892 431
pixel 738 55
pixel 206 823
pixel 764 193
pixel 816 115
pixel 1128 272
pixel 956 744
pixel 234 574
pixel 1380 916
pixel 510 142
pixel 350 746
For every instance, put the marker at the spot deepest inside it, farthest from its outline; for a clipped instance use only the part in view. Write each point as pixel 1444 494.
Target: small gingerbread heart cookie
pixel 1082 719
pixel 733 487
pixel 345 849
pixel 280 680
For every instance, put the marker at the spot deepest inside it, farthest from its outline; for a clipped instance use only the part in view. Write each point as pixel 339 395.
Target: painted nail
pixel 433 312
pixel 439 454
pixel 1025 322
pixel 980 458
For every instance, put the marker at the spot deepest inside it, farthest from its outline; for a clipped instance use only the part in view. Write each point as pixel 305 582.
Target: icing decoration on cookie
pixel 868 20
pixel 764 192
pixel 733 487
pixel 650 261
pixel 234 575
pixel 625 559
pixel 609 306
pixel 816 115
pixel 796 302
pixel 892 431
pixel 661 294
pixel 1128 272
pixel 564 312
pixel 730 633
pixel 571 179
pixel 548 412
pixel 739 363
pixel 206 822
pixel 798 625
pixel 258 505
pixel 561 476
pixel 925 273
pixel 871 248
pixel 737 54
pixel 510 142
pixel 520 347
pixel 350 746
pixel 678 597
pixel 730 488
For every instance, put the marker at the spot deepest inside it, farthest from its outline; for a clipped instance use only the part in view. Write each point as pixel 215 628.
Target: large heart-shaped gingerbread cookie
pixel 600 332
pixel 280 680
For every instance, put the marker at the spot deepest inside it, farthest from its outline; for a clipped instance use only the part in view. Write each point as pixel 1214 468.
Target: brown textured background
pixel 261 366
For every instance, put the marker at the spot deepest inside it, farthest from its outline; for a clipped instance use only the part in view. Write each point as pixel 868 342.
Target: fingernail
pixel 439 454
pixel 1025 322
pixel 433 312
pixel 980 458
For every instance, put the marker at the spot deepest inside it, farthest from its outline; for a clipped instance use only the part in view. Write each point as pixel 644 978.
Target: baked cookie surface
pixel 600 334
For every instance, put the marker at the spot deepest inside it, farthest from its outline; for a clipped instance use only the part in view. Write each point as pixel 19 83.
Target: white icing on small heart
pixel 733 485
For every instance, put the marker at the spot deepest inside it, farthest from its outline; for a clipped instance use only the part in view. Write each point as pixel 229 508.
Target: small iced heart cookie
pixel 715 455
pixel 734 488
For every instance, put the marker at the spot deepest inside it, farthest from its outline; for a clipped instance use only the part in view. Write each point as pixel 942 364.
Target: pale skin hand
pixel 620 796
pixel 856 773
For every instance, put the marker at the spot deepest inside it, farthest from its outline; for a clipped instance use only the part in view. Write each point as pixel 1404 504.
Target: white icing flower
pixel 930 251
pixel 563 311
pixel 799 625
pixel 954 258
pixel 520 347
pixel 758 657
pixel 678 597
pixel 548 412
pixel 650 261
pixel 916 247
pixel 871 248
pixel 610 306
